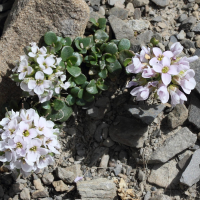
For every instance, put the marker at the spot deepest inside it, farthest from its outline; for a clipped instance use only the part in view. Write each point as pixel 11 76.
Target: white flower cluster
pixel 39 73
pixel 27 141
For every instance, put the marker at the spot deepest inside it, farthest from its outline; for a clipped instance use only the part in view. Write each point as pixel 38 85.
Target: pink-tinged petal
pixel 54 150
pixel 42 163
pixel 163 94
pixel 154 61
pixel 136 90
pixel 22 75
pixel 192 59
pixel 43 50
pixel 157 51
pixel 168 54
pixel 24 87
pixel 31 84
pixel 189 74
pixel 29 70
pixel 32 156
pixel 173 70
pixel 48 71
pixel 57 90
pixel 143 95
pixel 157 68
pixel 4 121
pixel 166 62
pixel 34 49
pixel 50 61
pixel 43 151
pixel 131 83
pixel 31 54
pixel 39 89
pixel 77 179
pixel 8 156
pixel 39 75
pixel 130 68
pixel 33 132
pixel 166 78
pixel 46 83
pixel 26 167
pixel 42 122
pixel 40 60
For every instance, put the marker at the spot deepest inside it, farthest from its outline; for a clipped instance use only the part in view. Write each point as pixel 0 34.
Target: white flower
pixel 24 69
pixel 46 64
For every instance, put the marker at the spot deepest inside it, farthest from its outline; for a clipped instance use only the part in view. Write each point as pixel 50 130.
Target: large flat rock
pixel 97 189
pixel 130 132
pixel 175 144
pixel 191 175
pixel 27 22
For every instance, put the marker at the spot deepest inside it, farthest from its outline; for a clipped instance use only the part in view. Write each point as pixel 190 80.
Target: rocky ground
pixel 125 149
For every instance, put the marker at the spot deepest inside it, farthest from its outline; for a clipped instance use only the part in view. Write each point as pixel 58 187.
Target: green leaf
pixel 70 100
pixel 111 59
pixel 103 46
pixel 101 84
pixel 127 61
pixel 111 48
pixel 58 104
pixel 46 105
pixel 58 46
pixel 74 91
pixel 91 87
pixel 102 23
pixel 83 86
pixel 102 64
pixel 45 112
pixel 80 79
pixel 114 68
pixel 103 73
pixel 61 115
pixel 71 61
pixel 124 44
pixel 79 59
pixel 92 20
pixel 100 36
pixel 51 49
pixel 115 41
pixel 85 42
pixel 66 52
pixel 80 102
pixel 77 41
pixel 80 94
pixel 74 71
pixel 61 40
pixel 50 38
pixel 88 97
pixel 68 41
pixel 72 84
pixel 123 55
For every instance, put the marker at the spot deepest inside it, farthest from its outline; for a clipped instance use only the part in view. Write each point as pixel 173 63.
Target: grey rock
pixel 191 175
pixel 194 111
pixel 137 13
pixel 190 34
pixel 117 170
pixel 165 175
pixel 146 36
pixel 196 67
pixel 197 1
pixel 15 189
pixel 112 2
pixel 181 35
pixel 102 102
pixel 139 25
pixel 188 44
pixel 60 186
pixel 157 19
pixel 102 10
pixel 104 161
pixel 182 17
pixel 128 131
pixel 98 132
pixel 131 9
pixel 144 112
pixel 69 19
pixel 197 52
pixel 183 163
pixel 161 3
pixel 47 178
pixel 120 28
pixel 95 2
pixel 196 28
pixel 147 195
pixel 173 39
pixel 96 16
pixel 95 113
pixel 108 142
pixel 66 176
pixel 97 189
pixel 39 194
pixel 141 175
pixel 1 191
pixel 175 144
pixel 161 197
pixel 119 12
pixel 25 194
pixel 140 3
pixel 187 23
pixel 6 6
pixel 178 116
pixel 135 45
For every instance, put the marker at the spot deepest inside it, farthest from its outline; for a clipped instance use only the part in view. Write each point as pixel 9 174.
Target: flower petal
pixel 50 61
pixel 39 75
pixel 157 67
pixel 157 51
pixel 166 78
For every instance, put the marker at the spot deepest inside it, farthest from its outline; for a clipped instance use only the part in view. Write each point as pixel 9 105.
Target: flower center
pixel 160 57
pixel 25 69
pixel 41 128
pixel 48 141
pixel 165 69
pixel 19 145
pixel 33 149
pixel 26 133
pixel 45 65
pixel 12 131
pixel 39 82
